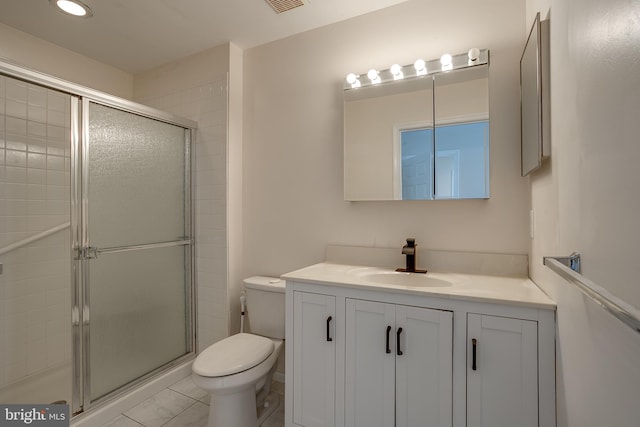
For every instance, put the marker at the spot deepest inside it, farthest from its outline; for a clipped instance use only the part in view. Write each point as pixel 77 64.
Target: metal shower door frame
pixel 83 252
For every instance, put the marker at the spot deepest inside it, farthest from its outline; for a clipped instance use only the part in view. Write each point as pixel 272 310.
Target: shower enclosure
pixel 96 249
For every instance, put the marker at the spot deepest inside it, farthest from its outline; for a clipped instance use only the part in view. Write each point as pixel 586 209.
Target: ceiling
pixel 136 35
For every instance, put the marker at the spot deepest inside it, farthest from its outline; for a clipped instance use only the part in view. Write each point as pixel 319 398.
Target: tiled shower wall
pixel 34 196
pixel 203 100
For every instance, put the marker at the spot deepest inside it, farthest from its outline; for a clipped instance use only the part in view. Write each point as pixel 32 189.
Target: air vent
pixel 283 5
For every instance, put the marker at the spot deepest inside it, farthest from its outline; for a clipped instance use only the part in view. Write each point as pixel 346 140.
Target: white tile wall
pixel 34 196
pixel 206 103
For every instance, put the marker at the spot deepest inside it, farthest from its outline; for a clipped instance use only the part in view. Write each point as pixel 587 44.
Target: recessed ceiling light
pixel 72 7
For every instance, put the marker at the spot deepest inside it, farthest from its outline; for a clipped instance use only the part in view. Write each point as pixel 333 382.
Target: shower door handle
pixel 91 252
pixel 87 252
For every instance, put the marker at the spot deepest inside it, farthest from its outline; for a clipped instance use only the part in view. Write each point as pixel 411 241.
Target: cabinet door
pixel 370 364
pixel 502 387
pixel 314 357
pixel 424 373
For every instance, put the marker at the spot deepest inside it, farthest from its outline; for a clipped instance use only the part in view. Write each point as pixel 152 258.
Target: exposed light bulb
pixel 446 61
pixel 420 66
pixel 352 79
pixel 474 55
pixel 374 76
pixel 396 72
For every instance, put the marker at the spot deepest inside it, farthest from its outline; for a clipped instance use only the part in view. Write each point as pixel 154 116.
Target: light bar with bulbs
pixel 419 68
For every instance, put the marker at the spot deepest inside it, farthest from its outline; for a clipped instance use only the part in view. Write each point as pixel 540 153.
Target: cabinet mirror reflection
pixel 422 138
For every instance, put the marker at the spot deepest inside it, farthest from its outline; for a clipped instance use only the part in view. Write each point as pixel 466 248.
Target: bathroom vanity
pixel 373 347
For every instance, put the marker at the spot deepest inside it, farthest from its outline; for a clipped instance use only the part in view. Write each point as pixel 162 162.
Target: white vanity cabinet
pixel 502 372
pixel 397 365
pixel 360 354
pixel 314 361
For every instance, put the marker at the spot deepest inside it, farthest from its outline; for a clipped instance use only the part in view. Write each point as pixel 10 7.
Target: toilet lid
pixel 234 354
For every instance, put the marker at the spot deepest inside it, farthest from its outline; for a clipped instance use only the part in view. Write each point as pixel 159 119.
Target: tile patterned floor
pixel 183 404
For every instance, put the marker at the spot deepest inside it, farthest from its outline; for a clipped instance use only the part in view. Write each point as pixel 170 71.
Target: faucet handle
pixel 411 242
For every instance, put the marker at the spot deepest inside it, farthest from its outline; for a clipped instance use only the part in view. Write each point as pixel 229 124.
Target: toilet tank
pixel 266 306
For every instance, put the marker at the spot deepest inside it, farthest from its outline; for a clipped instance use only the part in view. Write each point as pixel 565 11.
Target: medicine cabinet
pixel 424 136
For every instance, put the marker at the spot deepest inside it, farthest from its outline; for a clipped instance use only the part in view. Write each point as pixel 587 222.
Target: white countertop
pixel 505 290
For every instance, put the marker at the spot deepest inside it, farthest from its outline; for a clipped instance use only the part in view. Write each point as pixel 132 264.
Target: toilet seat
pixel 234 354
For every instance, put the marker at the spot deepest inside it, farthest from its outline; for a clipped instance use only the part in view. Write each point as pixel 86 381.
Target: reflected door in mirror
pixel 417 163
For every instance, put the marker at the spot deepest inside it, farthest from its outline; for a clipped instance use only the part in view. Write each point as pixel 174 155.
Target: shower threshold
pixel 44 387
pixel 106 411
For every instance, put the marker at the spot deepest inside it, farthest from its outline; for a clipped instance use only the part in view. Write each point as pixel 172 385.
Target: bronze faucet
pixel 411 251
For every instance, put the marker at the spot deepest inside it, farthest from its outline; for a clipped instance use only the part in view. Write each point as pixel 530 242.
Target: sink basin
pixel 405 279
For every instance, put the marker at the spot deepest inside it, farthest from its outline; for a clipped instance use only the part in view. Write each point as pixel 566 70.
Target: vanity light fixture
pixel 374 76
pixel 72 7
pixel 446 61
pixel 353 80
pixel 396 72
pixel 421 67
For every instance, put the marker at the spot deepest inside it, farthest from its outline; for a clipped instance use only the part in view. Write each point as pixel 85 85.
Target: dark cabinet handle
pixel 399 352
pixel 474 344
pixel 388 348
pixel 329 328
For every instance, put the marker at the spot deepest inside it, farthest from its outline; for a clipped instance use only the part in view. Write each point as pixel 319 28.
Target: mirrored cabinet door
pixel 461 147
pixel 424 138
pixel 382 124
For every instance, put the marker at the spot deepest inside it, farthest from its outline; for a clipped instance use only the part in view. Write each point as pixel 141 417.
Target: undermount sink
pixel 405 279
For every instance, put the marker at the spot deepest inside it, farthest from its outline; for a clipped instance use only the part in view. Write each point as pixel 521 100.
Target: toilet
pixel 237 371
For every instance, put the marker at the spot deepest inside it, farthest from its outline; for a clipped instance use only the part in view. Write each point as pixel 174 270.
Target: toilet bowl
pixel 237 371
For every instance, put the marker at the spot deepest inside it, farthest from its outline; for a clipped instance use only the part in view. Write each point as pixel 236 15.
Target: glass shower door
pixel 35 255
pixel 136 244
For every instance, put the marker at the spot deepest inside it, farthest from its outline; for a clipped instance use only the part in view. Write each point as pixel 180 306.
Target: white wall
pixel 586 199
pixel 293 179
pixel 196 87
pixel 37 54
